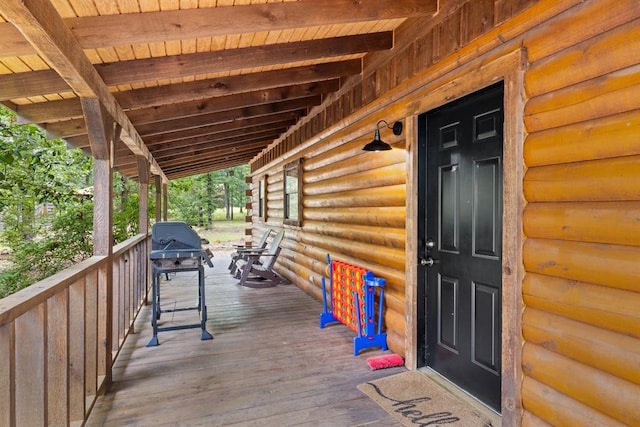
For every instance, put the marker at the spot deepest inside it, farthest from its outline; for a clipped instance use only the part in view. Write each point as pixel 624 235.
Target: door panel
pixel 447 315
pixel 449 219
pixel 486 306
pixel 460 241
pixel 486 229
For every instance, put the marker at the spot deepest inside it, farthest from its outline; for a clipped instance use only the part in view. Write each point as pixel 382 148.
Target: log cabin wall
pixel 581 324
pixel 579 362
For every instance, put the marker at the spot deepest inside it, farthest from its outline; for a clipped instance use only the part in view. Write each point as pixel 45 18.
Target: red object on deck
pixel 385 361
pixel 348 285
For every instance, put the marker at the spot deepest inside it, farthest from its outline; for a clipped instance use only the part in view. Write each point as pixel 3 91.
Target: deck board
pixel 269 363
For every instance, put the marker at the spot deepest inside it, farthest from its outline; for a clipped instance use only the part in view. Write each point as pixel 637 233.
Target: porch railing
pixel 59 337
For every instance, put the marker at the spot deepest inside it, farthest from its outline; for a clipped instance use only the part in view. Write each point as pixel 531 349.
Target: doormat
pixel 415 400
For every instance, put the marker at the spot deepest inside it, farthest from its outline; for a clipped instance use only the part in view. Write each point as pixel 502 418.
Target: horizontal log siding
pixel 353 209
pixel 581 324
pixel 354 202
pixel 582 218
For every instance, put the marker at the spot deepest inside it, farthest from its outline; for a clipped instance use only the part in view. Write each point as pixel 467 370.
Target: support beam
pixel 159 198
pixel 99 127
pixel 117 144
pixel 143 194
pixel 101 133
pixel 165 200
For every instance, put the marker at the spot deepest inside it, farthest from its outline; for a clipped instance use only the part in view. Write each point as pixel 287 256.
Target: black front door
pixel 460 241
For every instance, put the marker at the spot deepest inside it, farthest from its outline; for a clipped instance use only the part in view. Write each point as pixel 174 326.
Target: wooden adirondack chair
pixel 260 265
pixel 242 250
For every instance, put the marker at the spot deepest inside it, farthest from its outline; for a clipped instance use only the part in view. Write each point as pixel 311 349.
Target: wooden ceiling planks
pixel 179 69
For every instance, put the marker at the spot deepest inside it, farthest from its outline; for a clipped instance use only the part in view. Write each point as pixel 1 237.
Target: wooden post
pixel 158 185
pixel 411 248
pixel 165 200
pixel 101 131
pixel 143 190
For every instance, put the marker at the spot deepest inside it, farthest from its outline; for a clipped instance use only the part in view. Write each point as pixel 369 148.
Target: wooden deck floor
pixel 269 363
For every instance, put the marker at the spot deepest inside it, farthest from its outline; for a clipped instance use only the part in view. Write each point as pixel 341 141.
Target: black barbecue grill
pixel 176 247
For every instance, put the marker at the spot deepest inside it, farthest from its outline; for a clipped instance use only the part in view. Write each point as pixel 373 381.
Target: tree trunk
pixel 124 195
pixel 227 202
pixel 209 201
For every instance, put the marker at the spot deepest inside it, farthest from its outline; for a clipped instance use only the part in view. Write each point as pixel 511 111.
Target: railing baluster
pixel 91 336
pixel 29 342
pixel 58 358
pixel 77 316
pixel 7 369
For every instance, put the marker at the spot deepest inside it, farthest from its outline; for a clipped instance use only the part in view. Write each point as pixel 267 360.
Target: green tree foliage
pixel 36 172
pixel 239 186
pixel 185 195
pixel 125 207
pixel 194 199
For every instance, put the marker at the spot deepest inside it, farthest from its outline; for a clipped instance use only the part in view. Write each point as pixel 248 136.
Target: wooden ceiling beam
pixel 76 127
pixel 129 160
pixel 184 171
pixel 230 145
pixel 80 141
pixel 230 102
pixel 176 66
pixel 286 119
pixel 31 83
pixel 229 115
pixel 216 142
pixel 208 166
pixel 50 111
pixel 230 85
pixel 251 148
pixel 216 139
pixel 64 109
pixel 199 154
pixel 66 128
pixel 228 162
pixel 34 83
pixel 179 135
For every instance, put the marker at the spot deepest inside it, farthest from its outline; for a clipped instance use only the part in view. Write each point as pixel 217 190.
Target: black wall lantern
pixel 379 145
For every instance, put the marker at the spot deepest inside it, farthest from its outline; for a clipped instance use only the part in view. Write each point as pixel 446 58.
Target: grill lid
pixel 175 240
pixel 174 235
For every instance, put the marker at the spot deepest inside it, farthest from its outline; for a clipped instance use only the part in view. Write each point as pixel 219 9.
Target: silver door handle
pixel 428 261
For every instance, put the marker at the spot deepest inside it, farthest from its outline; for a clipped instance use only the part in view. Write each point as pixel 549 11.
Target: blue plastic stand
pixel 368 338
pixel 367 335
